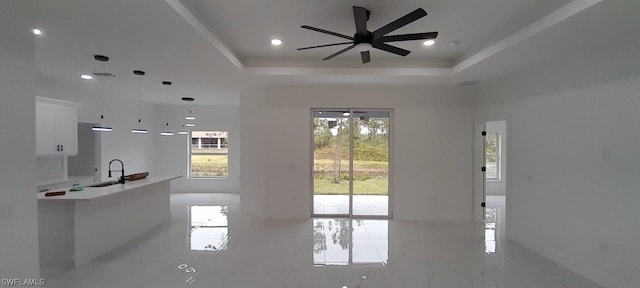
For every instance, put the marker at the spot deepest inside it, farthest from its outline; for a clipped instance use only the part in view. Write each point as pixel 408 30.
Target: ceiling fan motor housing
pixel 357 38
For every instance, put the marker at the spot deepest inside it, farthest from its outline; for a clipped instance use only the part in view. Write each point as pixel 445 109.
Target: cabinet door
pixel 67 129
pixel 46 129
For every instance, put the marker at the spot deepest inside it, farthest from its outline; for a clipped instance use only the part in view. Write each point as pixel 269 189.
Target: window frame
pixel 498 177
pixel 190 154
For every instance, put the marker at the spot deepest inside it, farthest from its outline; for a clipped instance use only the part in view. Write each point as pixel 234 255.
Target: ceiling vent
pixel 103 74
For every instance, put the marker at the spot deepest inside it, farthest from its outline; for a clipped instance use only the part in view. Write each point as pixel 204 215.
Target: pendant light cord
pixel 139 118
pixel 166 92
pixel 101 101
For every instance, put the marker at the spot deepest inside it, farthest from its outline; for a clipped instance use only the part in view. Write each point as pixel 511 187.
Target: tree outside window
pixel 492 156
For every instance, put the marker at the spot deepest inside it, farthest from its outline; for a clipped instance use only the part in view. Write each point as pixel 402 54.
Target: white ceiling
pixel 212 49
pixel 143 34
pixel 247 26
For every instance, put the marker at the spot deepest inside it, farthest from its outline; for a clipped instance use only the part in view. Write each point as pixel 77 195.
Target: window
pixel 492 156
pixel 209 154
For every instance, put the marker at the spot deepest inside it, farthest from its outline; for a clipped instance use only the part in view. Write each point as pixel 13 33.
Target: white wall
pixel 18 204
pixel 574 135
pixel 137 151
pixel 84 163
pixel 431 153
pixel 498 187
pixel 252 190
pixel 119 104
pixel 171 156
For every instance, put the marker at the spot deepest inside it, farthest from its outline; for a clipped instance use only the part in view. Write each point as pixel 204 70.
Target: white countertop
pixel 91 193
pixel 60 185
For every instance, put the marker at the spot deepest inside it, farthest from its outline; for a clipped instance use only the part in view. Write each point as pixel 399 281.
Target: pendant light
pixel 139 130
pixel 190 116
pixel 167 132
pixel 101 127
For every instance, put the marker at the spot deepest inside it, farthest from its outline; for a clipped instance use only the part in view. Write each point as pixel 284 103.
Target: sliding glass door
pixel 351 162
pixel 371 163
pixel 331 142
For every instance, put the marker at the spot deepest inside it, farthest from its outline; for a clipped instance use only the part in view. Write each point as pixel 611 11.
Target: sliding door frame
pixel 390 167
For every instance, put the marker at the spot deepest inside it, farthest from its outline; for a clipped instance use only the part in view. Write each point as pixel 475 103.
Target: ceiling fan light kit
pixel 363 40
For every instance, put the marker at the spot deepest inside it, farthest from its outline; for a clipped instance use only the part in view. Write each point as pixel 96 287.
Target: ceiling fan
pixel 363 40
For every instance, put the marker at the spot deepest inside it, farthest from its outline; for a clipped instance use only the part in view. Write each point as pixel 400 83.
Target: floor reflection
pixel 490 226
pixel 209 229
pixel 317 253
pixel 370 205
pixel 344 241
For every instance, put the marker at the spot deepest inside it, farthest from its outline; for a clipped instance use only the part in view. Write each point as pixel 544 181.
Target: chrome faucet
pixel 121 180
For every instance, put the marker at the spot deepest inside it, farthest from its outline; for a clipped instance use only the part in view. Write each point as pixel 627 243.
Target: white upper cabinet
pixel 56 127
pixel 46 129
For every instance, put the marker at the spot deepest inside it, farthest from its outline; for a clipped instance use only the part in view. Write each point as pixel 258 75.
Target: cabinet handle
pixel 58 148
pixel 62 147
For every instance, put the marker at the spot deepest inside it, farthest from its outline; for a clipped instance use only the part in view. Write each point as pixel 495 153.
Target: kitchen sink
pixel 103 184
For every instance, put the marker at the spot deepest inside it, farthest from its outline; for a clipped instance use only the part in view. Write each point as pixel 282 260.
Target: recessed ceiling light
pixel 346 114
pixel 189 125
pixel 37 31
pixel 166 133
pixel 276 42
pixel 190 118
pixel 429 42
pixel 183 133
pixel 86 76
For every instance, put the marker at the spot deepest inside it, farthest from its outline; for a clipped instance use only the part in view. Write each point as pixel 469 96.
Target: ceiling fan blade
pixel 408 37
pixel 360 16
pixel 402 21
pixel 339 52
pixel 327 45
pixel 326 32
pixel 366 57
pixel 391 49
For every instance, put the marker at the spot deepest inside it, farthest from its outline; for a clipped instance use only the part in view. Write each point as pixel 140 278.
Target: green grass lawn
pixel 209 165
pixel 375 186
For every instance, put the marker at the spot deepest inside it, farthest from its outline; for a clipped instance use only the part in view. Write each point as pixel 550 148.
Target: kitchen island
pixel 80 226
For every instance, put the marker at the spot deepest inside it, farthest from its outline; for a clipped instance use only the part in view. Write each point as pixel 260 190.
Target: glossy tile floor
pixel 377 205
pixel 210 243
